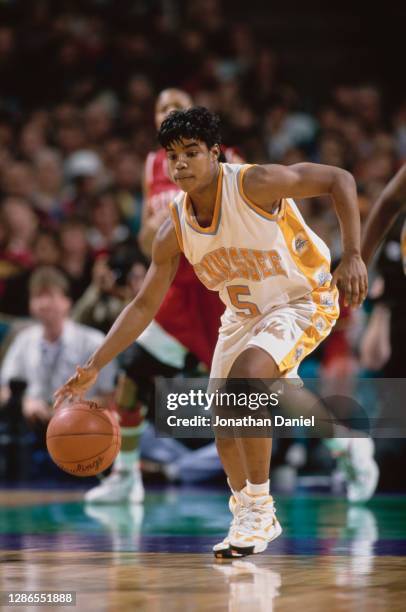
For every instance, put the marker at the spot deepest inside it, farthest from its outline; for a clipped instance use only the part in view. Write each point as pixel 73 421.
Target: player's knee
pixel 254 363
pixel 243 370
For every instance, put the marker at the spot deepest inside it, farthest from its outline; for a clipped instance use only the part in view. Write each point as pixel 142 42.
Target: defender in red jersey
pixel 196 325
pixel 187 322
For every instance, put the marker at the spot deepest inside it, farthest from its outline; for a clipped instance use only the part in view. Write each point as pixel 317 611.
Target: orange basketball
pixel 83 439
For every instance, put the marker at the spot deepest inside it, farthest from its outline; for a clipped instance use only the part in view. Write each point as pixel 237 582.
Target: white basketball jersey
pixel 256 260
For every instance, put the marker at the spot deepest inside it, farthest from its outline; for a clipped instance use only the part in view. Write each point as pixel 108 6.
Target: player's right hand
pixel 77 385
pixel 351 278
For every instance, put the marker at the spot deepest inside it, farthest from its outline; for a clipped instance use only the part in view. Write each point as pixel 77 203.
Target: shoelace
pixel 234 522
pixel 247 518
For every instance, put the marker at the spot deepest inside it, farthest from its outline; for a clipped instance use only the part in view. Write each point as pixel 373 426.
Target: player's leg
pixel 231 457
pixel 257 525
pixel 356 466
pixel 232 461
pixel 275 344
pixel 254 524
pixel 227 447
pixel 255 453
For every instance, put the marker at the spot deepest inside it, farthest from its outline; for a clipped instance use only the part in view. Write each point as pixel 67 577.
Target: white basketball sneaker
pixel 118 487
pixel 360 469
pixel 222 549
pixel 256 524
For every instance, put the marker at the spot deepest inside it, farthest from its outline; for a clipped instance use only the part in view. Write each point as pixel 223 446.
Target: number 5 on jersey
pixel 234 293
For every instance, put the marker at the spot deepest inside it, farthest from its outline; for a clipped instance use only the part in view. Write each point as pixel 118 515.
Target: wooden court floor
pixel 330 557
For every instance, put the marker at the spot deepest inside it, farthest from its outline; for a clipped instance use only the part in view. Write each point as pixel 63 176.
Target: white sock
pixel 127 460
pixel 257 489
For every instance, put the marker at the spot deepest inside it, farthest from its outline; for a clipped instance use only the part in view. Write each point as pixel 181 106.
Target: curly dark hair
pixel 196 122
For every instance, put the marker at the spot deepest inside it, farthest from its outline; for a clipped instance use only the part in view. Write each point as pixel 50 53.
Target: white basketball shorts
pixel 288 332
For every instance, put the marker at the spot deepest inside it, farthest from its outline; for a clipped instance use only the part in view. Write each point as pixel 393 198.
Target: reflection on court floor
pixel 330 554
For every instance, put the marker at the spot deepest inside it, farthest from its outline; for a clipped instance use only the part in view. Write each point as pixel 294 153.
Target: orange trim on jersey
pixel 190 216
pixel 176 223
pixel 309 259
pixel 260 211
pixel 323 321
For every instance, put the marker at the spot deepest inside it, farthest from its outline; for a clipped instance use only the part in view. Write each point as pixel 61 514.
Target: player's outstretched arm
pixel 136 315
pixel 268 184
pixel 383 214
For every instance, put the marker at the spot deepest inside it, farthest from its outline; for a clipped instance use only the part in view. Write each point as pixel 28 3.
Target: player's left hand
pixel 351 278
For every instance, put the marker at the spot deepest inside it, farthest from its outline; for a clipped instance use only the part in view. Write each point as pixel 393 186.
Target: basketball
pixel 83 439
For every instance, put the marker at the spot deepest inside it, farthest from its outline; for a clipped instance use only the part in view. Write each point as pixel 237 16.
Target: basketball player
pixel 246 239
pixel 383 215
pixel 383 343
pixel 162 348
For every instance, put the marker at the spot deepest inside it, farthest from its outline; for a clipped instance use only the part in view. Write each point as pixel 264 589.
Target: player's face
pixel 169 101
pixel 191 164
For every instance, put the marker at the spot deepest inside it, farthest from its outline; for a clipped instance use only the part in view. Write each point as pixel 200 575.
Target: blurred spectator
pixel 19 180
pixel 76 258
pixel 47 248
pixel 127 181
pixel 14 297
pixel 20 225
pixel 48 195
pixel 98 121
pixel 332 150
pixel 106 229
pixel 47 352
pixel 84 170
pixel 70 136
pixel 368 107
pixel 32 140
pixel 286 129
pixel 107 294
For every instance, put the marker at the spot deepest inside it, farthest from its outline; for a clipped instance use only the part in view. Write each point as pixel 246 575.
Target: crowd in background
pixel 77 121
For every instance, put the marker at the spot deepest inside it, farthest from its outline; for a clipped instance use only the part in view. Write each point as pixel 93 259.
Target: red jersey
pixel 190 312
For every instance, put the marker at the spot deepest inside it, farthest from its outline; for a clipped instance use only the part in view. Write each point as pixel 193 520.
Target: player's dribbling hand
pixel 77 385
pixel 351 278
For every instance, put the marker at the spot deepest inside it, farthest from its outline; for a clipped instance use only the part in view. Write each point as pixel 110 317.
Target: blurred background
pixel 78 84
